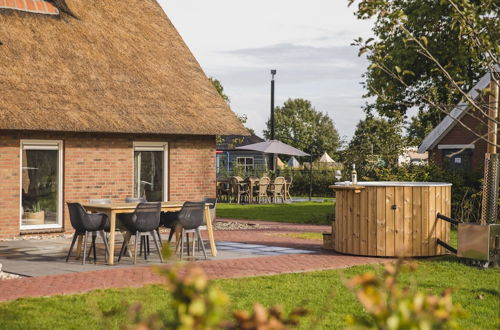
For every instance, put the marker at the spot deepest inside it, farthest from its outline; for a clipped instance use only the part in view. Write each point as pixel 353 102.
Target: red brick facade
pixel 102 167
pixel 460 135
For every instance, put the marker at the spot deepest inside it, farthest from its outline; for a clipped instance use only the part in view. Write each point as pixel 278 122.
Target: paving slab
pixel 242 253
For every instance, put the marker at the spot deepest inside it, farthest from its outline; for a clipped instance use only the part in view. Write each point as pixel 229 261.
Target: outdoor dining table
pixel 252 183
pixel 116 208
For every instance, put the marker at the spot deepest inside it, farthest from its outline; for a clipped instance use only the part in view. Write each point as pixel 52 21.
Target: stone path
pixel 290 260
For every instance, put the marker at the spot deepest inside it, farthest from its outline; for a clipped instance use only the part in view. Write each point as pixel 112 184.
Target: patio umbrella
pixel 274 147
pixel 278 147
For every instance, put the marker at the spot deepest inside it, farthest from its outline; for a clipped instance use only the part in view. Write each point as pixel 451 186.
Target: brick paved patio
pixel 272 235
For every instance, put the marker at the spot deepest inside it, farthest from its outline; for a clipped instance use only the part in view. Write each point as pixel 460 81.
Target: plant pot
pixel 34 218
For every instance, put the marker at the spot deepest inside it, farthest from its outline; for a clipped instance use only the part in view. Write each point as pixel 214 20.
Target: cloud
pixel 296 64
pixel 287 53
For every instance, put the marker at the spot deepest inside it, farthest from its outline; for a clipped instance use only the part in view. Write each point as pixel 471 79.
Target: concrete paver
pixel 264 252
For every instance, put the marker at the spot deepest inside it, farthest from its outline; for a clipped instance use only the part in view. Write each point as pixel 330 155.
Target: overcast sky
pixel 307 42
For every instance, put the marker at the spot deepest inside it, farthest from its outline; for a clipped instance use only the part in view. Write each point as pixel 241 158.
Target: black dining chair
pixel 191 217
pixel 142 223
pixel 143 246
pixel 85 223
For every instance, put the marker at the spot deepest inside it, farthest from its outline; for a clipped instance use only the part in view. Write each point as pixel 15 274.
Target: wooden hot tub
pixel 390 219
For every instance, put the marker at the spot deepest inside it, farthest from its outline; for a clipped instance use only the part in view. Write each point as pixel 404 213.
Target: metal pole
pixel 273 72
pixel 273 162
pixel 310 178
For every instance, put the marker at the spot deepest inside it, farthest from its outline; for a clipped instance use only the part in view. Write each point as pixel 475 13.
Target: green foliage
pixel 393 308
pixel 424 53
pixel 321 180
pixel 220 89
pixel 299 124
pixel 377 142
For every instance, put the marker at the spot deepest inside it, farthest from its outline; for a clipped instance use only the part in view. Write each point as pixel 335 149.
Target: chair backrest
pixel 100 201
pixel 82 221
pixel 234 184
pixel 192 215
pixel 135 200
pixel 76 216
pixel 146 216
pixel 212 201
pixel 279 184
pixel 263 185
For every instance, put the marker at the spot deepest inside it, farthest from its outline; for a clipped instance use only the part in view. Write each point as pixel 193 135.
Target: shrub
pixel 391 307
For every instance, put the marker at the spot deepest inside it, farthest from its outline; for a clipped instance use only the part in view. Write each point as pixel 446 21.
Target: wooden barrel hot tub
pixel 389 219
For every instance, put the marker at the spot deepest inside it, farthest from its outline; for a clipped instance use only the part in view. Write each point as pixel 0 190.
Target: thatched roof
pixel 104 66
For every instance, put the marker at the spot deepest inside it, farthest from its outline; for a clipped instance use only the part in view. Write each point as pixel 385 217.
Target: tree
pixel 299 124
pixel 426 54
pixel 243 118
pixel 220 89
pixel 377 142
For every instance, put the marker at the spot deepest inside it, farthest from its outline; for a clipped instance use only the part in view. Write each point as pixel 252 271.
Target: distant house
pixel 411 156
pixel 230 160
pixel 452 145
pixel 100 99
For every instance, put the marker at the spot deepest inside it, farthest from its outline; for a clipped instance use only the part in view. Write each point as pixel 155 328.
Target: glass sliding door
pixel 150 175
pixel 41 176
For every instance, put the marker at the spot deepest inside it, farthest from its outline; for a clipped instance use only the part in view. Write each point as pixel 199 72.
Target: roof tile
pixel 32 6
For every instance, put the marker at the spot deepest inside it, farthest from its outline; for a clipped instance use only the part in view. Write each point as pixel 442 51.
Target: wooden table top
pixel 125 206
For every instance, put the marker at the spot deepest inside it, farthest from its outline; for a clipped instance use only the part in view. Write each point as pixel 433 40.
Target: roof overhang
pixel 455 115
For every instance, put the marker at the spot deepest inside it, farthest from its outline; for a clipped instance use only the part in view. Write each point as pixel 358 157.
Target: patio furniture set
pixel 142 219
pixel 254 189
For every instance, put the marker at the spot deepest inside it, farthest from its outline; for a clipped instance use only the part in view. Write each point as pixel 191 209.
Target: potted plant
pixel 35 215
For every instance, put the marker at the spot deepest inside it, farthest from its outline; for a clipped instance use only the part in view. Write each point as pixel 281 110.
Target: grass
pixel 304 212
pixel 304 235
pixel 475 289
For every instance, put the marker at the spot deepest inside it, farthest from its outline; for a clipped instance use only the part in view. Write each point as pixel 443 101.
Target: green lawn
pixel 323 293
pixel 304 212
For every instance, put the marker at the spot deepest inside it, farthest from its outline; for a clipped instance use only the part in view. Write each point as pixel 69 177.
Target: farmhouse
pixel 100 99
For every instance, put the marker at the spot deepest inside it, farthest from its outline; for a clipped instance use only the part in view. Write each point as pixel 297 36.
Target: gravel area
pixel 36 237
pixel 7 276
pixel 231 225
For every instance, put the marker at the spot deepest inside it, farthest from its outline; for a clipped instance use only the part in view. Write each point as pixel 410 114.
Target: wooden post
pixel 493 113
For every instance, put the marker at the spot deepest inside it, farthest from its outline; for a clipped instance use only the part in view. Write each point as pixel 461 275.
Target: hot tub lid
pixel 395 184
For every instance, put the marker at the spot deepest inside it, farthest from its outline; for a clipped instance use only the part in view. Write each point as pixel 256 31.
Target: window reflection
pixel 148 175
pixel 40 187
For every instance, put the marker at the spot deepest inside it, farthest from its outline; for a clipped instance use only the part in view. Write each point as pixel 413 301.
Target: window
pixel 41 184
pixel 150 170
pixel 457 158
pixel 246 163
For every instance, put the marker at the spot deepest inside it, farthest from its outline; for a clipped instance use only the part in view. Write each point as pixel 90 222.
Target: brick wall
pixel 460 135
pixel 102 167
pixel 9 186
pixel 192 168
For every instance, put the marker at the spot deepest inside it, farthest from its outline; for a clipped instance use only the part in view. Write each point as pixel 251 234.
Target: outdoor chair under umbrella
pixel 278 147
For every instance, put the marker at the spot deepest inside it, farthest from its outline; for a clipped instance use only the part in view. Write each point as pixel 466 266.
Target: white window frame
pixel 154 146
pixel 456 146
pixel 43 145
pixel 245 166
